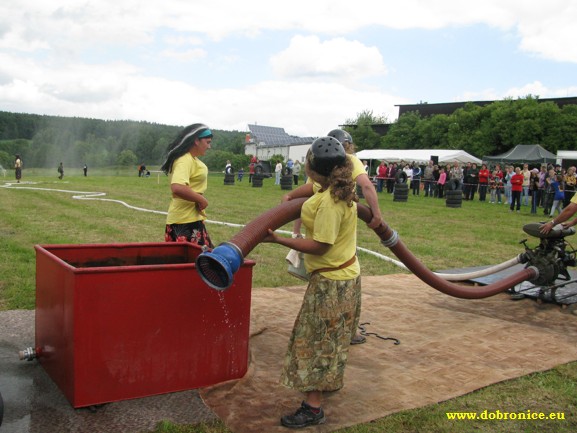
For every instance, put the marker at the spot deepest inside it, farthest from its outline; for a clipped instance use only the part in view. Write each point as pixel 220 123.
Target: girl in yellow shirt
pixel 188 182
pixel 320 340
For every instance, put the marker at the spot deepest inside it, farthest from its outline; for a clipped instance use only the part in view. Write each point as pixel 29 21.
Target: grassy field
pixel 42 210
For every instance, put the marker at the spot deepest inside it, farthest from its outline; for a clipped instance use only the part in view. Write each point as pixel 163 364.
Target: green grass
pixel 442 238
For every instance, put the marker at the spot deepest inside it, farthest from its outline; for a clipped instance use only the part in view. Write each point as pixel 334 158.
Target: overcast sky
pixel 306 66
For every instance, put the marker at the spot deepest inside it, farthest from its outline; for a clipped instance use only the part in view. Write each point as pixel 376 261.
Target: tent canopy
pixel 524 153
pixel 420 156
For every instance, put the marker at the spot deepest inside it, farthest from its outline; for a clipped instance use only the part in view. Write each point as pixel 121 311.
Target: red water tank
pixel 121 321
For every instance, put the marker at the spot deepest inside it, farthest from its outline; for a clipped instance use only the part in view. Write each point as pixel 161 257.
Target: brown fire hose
pixel 216 267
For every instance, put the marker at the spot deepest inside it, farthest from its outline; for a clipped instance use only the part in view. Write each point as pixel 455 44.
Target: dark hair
pixel 182 144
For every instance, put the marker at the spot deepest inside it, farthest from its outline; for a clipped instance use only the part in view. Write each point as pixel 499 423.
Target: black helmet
pixel 341 135
pixel 325 154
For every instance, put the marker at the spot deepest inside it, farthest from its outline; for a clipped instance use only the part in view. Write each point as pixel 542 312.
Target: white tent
pixel 420 156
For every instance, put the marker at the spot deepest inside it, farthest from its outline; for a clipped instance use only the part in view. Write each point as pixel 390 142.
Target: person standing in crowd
pixel 391 173
pixel 381 175
pixel 366 166
pixel 456 172
pixel 559 195
pixel 436 175
pixel 277 172
pixel 569 184
pixel 408 170
pixel 467 170
pixel 441 183
pixel 240 174
pixel 251 168
pixel 549 192
pixel 60 171
pixel 493 182
pixel 188 178
pixel 429 179
pixel 85 170
pixel 472 180
pixel 516 189
pixel 507 183
pixel 296 172
pixel 541 190
pixel 416 182
pixel 534 190
pixel 18 167
pixel 526 182
pixel 289 167
pixel 484 175
pixel 319 344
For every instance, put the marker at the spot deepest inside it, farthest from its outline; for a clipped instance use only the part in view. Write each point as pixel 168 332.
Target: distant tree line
pixel 481 131
pixel 45 141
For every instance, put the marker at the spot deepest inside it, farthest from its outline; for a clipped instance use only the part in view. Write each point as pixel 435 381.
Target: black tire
pixel 229 179
pixel 454 193
pixel 286 182
pixel 454 205
pixel 453 201
pixel 401 192
pixel 401 177
pixel 402 186
pixel 257 181
pixel 455 184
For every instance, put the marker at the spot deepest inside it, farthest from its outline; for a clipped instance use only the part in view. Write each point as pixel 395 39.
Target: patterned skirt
pixel 194 232
pixel 319 345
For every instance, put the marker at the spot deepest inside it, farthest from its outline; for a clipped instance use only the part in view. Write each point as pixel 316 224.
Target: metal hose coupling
pixel 28 354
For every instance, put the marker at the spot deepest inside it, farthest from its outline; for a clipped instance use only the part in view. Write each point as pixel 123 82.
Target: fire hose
pixel 218 266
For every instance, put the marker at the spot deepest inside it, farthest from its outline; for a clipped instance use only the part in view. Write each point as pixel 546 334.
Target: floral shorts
pixel 194 232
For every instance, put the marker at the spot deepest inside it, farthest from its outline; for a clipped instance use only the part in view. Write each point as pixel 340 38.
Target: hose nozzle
pixel 216 268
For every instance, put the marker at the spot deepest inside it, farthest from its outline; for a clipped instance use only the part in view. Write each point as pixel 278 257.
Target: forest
pixel 45 141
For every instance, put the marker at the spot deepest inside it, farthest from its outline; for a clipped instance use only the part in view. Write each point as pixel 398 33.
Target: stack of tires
pixel 401 189
pixel 257 180
pixel 454 194
pixel 229 179
pixel 286 182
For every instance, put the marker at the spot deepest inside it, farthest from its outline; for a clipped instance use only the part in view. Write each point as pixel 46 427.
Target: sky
pixel 305 66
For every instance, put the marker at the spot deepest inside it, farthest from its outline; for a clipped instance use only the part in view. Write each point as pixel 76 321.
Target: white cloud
pixel 185 55
pixel 339 59
pixel 66 57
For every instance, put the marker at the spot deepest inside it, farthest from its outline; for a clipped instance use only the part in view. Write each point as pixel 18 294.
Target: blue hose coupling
pixel 216 268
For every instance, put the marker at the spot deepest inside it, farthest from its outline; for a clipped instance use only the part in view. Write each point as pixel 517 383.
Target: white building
pixel 266 141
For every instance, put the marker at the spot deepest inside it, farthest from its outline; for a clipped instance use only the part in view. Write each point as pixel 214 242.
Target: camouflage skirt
pixel 319 345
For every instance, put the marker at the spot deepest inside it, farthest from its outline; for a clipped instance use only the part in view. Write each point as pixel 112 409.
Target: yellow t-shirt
pixel 192 172
pixel 335 224
pixel 358 169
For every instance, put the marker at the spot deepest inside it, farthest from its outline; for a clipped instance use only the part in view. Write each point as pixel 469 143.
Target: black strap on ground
pixel 362 327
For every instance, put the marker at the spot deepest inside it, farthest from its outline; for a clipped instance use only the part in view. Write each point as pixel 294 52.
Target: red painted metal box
pixel 122 321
